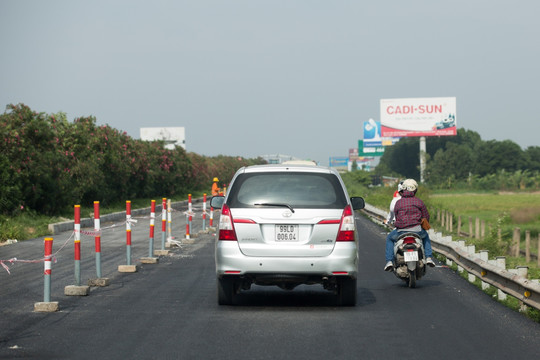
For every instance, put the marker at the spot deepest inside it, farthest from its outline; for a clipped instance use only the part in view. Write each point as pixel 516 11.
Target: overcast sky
pixel 254 77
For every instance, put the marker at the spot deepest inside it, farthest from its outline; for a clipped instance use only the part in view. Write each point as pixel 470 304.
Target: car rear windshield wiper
pixel 278 205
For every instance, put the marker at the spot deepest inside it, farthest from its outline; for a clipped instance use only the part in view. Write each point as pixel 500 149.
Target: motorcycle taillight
pixel 409 240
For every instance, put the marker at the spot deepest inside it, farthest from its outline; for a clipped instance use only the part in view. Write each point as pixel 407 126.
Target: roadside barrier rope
pixel 15 260
pixel 52 257
pixel 11 261
pixel 192 213
pixel 6 263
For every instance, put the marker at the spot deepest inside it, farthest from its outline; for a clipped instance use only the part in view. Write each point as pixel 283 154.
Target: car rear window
pixel 297 189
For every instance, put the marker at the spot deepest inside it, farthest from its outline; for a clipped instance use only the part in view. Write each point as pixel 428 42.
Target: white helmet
pixel 400 186
pixel 410 185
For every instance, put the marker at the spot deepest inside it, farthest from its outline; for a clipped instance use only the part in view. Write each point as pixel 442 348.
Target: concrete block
pixel 172 243
pixel 46 306
pixel 75 290
pixel 127 268
pixel 99 282
pixel 161 252
pixel 149 260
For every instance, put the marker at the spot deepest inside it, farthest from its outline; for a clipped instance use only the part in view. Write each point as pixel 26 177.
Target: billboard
pixel 372 135
pixel 369 151
pixel 172 136
pixel 418 117
pixel 339 161
pixel 353 156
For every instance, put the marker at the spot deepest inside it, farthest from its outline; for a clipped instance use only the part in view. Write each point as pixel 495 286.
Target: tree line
pixel 48 164
pixel 465 160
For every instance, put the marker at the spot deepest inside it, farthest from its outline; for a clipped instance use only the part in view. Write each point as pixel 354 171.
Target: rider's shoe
pixel 389 266
pixel 430 262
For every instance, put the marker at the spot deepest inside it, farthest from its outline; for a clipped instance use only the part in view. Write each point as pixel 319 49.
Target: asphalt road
pixel 169 310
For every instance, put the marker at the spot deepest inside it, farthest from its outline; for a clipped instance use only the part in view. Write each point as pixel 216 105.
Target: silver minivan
pixel 287 225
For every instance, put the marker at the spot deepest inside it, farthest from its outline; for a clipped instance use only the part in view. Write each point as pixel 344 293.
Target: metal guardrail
pixel 523 289
pixel 477 264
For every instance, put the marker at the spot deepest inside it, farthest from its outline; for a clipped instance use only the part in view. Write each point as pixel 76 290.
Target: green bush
pixel 357 182
pixel 48 164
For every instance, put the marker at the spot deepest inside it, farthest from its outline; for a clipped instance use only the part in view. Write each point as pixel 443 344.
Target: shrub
pixel 48 164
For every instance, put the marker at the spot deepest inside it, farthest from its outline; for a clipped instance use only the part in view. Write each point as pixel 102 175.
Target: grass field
pixel 503 210
pixel 497 209
pixel 522 208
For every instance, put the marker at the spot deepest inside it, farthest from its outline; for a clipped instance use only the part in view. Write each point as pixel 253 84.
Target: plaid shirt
pixel 409 211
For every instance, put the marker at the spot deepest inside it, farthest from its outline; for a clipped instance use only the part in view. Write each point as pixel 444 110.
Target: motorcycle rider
pixel 409 211
pixel 397 196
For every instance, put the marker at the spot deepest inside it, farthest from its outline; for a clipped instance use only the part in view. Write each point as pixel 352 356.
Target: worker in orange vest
pixel 215 187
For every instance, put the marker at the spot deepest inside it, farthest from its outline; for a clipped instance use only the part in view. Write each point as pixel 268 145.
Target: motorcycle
pixel 409 258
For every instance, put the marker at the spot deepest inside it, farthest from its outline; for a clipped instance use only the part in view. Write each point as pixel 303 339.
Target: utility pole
pixel 422 158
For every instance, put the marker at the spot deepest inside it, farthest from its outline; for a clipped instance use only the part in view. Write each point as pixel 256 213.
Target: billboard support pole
pixel 422 158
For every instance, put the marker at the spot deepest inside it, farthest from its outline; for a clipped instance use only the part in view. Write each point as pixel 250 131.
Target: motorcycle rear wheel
pixel 412 279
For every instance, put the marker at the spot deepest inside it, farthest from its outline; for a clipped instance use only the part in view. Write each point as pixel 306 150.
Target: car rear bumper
pixel 343 261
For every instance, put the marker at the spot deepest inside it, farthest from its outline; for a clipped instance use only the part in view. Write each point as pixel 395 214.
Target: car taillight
pixel 226 226
pixel 346 227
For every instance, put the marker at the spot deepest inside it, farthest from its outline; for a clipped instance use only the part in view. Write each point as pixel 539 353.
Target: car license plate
pixel 287 233
pixel 410 256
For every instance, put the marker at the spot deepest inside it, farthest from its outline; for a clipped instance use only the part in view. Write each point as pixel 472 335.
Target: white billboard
pixel 172 136
pixel 418 117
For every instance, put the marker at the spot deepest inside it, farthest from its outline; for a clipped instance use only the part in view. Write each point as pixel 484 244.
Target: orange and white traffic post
pixel 128 232
pixel 152 219
pixel 47 269
pixel 163 222
pixel 188 218
pixel 190 213
pixel 47 305
pixel 204 213
pixel 169 220
pixel 77 244
pixel 97 238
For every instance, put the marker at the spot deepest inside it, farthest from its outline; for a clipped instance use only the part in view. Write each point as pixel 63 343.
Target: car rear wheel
pixel 226 288
pixel 347 292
